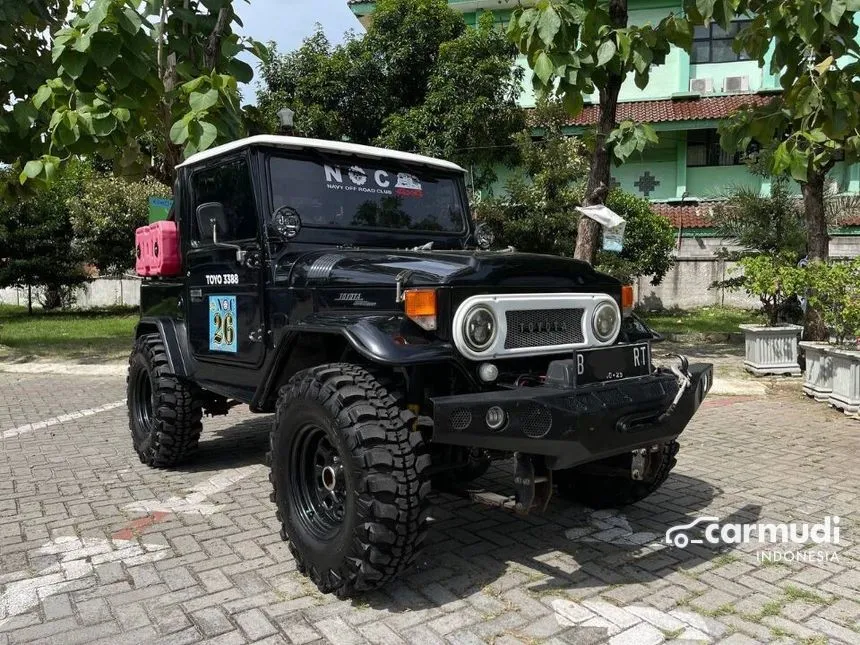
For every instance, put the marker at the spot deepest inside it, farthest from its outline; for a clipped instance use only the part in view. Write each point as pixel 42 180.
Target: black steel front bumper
pixel 575 425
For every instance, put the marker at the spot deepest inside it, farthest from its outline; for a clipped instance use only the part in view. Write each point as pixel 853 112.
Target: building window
pixel 703 149
pixel 713 44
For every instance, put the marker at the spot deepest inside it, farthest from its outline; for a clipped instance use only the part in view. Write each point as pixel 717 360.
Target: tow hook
pixel 682 373
pixel 640 461
pixel 533 483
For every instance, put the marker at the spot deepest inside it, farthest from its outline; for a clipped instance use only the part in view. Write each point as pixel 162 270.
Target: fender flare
pixel 369 336
pixel 172 334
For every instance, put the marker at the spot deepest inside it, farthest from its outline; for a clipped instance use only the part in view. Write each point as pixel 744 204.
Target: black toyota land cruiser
pixel 346 289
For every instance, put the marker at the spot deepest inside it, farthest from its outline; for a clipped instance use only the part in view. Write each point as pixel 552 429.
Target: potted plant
pixel 834 374
pixel 771 348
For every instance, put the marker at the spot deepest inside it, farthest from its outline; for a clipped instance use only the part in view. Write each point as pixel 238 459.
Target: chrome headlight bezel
pixel 467 320
pixel 606 306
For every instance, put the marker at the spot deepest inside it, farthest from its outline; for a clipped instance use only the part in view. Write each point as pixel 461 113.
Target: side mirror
pixel 212 222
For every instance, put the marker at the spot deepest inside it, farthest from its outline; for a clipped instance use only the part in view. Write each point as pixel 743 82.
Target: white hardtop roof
pixel 338 147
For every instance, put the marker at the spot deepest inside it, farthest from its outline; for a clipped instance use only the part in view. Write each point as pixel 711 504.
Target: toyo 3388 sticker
pixel 223 326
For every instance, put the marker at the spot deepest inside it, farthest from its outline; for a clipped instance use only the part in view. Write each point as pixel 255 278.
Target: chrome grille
pixel 543 327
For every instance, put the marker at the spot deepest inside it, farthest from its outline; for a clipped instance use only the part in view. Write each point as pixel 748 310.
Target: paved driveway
pixel 94 547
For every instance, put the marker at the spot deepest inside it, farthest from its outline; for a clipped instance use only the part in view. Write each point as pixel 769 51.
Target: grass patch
pixel 773 608
pixel 796 593
pixel 705 320
pixel 102 334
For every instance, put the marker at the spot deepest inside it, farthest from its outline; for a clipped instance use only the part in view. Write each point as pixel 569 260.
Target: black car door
pixel 225 278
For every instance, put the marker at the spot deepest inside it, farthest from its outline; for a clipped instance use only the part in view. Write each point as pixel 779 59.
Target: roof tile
pixel 681 109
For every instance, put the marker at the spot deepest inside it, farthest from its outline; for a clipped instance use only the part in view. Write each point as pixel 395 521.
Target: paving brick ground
pixel 96 548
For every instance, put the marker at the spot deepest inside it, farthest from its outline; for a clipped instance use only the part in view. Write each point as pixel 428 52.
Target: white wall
pixel 103 292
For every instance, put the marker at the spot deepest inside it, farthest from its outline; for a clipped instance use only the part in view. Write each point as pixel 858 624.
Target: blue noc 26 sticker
pixel 223 326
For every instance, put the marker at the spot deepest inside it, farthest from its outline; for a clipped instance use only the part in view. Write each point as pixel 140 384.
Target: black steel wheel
pixel 317 479
pixel 349 479
pixel 164 413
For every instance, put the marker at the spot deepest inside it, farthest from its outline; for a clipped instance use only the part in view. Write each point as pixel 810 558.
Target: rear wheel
pixel 164 413
pixel 349 479
pixel 582 484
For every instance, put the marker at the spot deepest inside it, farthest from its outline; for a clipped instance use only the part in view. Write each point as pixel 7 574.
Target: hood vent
pixel 322 267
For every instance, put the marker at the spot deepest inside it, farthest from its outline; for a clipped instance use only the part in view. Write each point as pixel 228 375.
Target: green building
pixel 687 172
pixel 684 101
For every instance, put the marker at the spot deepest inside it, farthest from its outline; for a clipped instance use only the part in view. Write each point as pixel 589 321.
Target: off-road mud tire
pixel 385 486
pixel 604 491
pixel 170 431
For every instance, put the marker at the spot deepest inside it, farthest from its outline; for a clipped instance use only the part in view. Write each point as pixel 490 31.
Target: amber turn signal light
pixel 420 306
pixel 627 297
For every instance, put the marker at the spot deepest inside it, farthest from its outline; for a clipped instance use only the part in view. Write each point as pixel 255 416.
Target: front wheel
pixel 349 479
pixel 607 491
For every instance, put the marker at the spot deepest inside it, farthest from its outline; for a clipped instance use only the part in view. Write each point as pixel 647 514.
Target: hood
pixel 341 268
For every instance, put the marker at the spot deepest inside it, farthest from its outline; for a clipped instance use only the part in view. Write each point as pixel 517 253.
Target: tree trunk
pixel 597 187
pixel 817 239
pixel 29 299
pixel 817 243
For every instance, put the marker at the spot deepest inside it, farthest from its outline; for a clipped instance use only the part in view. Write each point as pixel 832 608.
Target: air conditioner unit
pixel 736 84
pixel 702 85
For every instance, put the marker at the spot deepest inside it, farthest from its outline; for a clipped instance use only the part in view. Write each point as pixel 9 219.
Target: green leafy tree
pixel 815 119
pixel 37 249
pixel 576 47
pixel 105 214
pixel 125 70
pixel 420 80
pixel 25 63
pixel 537 215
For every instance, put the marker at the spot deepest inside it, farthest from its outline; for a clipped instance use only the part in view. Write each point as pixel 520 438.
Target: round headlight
pixel 479 328
pixel 605 321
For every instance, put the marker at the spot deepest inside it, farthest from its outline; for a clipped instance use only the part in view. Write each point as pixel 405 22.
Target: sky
pixel 289 22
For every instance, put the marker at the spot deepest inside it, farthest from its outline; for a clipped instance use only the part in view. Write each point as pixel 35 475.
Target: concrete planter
pixel 818 377
pixel 771 350
pixel 846 379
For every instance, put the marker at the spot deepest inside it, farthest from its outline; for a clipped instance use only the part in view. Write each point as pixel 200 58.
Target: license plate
pixel 612 363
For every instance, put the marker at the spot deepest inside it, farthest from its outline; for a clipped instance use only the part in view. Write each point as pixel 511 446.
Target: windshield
pixel 364 194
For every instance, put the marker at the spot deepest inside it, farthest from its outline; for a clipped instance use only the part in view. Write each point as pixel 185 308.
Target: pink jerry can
pixel 142 251
pixel 164 243
pixel 157 249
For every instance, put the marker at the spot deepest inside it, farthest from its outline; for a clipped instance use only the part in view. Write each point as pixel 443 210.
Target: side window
pixel 230 185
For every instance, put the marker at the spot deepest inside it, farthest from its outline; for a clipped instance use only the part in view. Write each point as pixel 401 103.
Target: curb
pixel 709 337
pixel 67 369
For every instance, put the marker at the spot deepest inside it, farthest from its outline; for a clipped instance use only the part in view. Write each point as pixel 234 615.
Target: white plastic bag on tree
pixel 613 225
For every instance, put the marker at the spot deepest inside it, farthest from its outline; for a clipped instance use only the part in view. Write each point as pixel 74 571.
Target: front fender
pixel 387 339
pixel 383 339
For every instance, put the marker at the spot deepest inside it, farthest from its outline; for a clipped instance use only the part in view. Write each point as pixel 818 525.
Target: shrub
pixel 774 279
pixel 105 215
pixel 649 241
pixel 834 290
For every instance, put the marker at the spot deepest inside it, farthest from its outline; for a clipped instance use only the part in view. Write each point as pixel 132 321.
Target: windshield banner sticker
pixel 222 324
pixel 377 182
pixel 408 185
